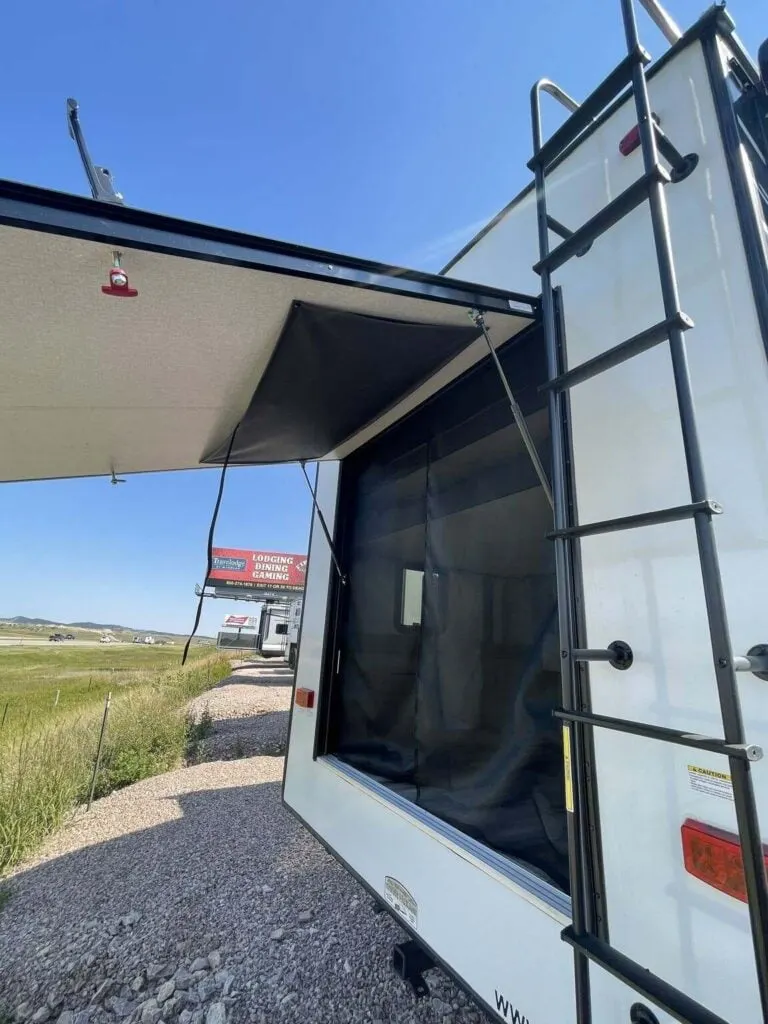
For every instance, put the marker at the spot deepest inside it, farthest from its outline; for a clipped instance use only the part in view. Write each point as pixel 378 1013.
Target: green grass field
pixel 31 677
pixel 47 752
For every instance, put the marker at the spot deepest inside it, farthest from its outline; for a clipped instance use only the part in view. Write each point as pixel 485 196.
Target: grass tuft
pixel 46 767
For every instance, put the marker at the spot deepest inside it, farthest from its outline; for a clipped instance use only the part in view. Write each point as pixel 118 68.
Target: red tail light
pixel 714 856
pixel 305 698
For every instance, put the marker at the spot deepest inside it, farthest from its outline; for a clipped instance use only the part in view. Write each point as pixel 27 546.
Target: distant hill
pixel 23 620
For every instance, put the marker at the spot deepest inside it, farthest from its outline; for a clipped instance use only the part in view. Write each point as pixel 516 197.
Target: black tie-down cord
pixel 479 320
pixel 211 530
pixel 323 524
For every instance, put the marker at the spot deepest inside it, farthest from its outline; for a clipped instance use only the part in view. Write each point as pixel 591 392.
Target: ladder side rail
pixel 744 796
pixel 577 860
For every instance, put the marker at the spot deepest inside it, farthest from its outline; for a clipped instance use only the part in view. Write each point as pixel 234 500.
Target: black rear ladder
pixel 583 935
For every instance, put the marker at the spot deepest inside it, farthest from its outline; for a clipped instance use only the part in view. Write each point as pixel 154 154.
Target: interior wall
pixel 455 711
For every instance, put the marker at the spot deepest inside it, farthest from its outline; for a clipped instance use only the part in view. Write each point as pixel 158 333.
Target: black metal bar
pixel 579 864
pixel 587 111
pixel 99 178
pixel 633 346
pixel 669 999
pixel 733 727
pixel 618 654
pixel 323 524
pixel 591 654
pixel 681 165
pixel 594 891
pixel 517 413
pixel 664 515
pixel 740 751
pixel 745 209
pixel 100 744
pixel 559 228
pixel 623 204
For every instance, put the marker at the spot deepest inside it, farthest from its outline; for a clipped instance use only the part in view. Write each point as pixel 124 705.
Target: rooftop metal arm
pixel 99 178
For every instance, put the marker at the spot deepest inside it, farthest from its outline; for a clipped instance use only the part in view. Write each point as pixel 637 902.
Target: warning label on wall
pixel 399 897
pixel 709 782
pixel 567 768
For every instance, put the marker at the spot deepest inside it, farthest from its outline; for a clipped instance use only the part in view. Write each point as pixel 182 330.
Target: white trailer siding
pixel 644 586
pixel 492 924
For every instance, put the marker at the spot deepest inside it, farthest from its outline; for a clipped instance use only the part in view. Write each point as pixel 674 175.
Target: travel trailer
pixel 530 704
pixel 279 629
pixel 530 707
pixel 294 631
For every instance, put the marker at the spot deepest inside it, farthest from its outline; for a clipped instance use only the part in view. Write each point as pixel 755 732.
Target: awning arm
pixel 479 320
pixel 323 524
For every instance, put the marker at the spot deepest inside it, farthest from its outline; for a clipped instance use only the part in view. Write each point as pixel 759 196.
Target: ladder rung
pixel 619 353
pixel 668 998
pixel 593 105
pixel 664 515
pixel 745 751
pixel 623 204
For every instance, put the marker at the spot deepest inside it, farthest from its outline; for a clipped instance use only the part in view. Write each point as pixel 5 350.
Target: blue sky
pixel 390 130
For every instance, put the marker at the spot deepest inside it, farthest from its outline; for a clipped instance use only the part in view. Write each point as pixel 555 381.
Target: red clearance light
pixel 118 281
pixel 305 698
pixel 714 856
pixel 630 142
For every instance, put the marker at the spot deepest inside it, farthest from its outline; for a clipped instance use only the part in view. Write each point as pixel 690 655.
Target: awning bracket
pixel 479 320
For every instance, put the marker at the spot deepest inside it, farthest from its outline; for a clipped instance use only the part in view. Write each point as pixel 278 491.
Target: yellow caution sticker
pixel 567 767
pixel 710 783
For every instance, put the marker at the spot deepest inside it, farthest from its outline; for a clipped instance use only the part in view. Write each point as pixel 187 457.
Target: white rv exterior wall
pixel 641 586
pixel 644 586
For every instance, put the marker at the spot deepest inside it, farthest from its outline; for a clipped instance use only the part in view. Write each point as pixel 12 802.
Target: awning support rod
pixel 323 524
pixel 479 320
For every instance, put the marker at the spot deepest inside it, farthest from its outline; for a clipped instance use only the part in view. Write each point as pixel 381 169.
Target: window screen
pixel 448 669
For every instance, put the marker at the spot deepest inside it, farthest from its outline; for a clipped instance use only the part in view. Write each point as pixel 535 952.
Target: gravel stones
pixel 206 989
pixel 165 991
pixel 102 991
pixel 217 1014
pixel 182 978
pixel 208 859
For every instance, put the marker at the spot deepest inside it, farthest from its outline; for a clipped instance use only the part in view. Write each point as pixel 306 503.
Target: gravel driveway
pixel 195 898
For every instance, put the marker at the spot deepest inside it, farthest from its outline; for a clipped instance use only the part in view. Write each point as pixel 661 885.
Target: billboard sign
pixel 239 622
pixel 258 570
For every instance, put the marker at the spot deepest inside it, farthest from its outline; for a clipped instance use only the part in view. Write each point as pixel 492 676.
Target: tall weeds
pixel 45 771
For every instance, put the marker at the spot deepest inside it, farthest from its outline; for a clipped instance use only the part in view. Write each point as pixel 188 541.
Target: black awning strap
pixel 479 320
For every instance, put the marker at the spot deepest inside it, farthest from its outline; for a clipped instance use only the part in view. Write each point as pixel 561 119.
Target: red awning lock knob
pixel 118 281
